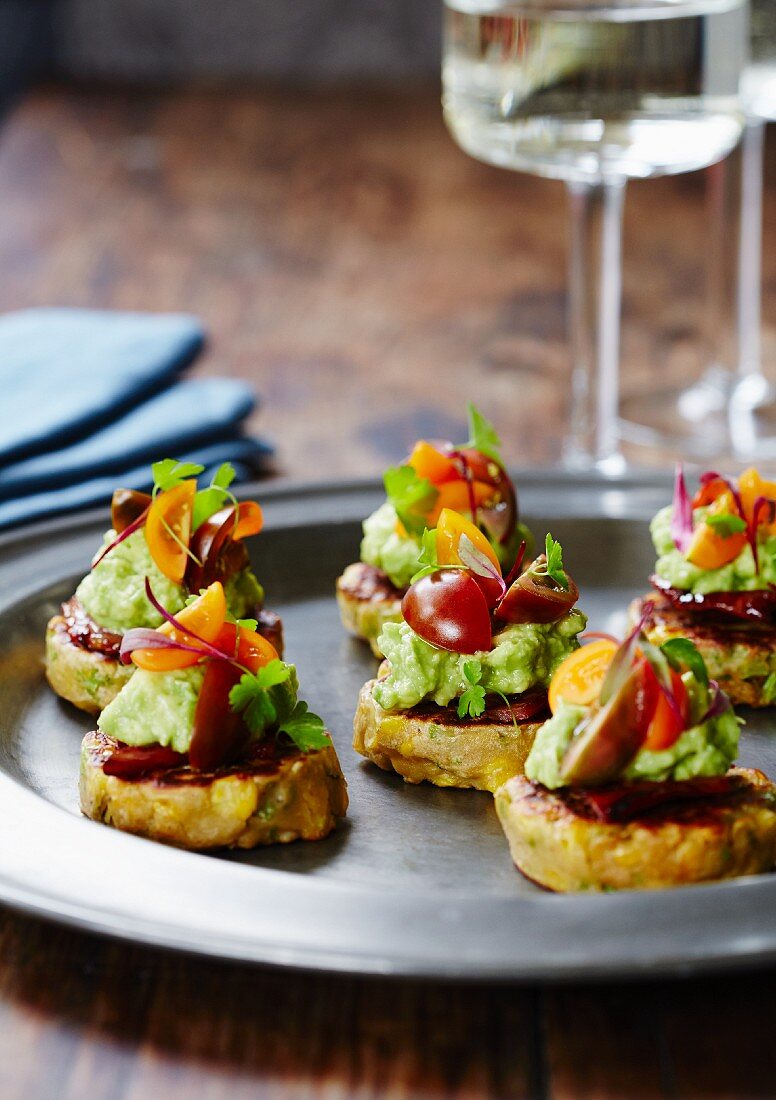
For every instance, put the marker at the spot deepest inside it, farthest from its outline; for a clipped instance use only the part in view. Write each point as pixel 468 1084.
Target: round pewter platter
pixel 418 881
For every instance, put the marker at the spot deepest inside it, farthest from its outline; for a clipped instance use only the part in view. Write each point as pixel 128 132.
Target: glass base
pixel 716 421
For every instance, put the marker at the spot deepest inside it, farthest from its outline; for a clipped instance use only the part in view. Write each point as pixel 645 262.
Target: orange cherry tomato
pixel 205 617
pixel 710 550
pixel 246 646
pixel 431 464
pixel 250 520
pixel 171 511
pixel 450 526
pixel 455 496
pixel 579 677
pixel 666 725
pixel 751 486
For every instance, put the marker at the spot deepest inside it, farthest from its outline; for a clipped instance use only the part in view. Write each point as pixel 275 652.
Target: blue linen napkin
pixel 185 416
pixel 248 456
pixel 66 372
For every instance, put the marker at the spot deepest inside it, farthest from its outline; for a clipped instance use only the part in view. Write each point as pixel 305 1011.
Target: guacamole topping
pixel 703 750
pixel 155 708
pixel 113 594
pixel 524 656
pixel 739 575
pixel 382 546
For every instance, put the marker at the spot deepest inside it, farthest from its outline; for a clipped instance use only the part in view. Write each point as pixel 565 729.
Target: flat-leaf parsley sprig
pixel 268 701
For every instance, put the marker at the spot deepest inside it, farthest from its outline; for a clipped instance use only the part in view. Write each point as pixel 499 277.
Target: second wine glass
pixel 595 93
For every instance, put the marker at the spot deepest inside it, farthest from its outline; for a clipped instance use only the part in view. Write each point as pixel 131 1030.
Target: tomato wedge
pixel 250 649
pixel 450 526
pixel 455 496
pixel 668 723
pixel 171 512
pixel 578 678
pixel 710 550
pixel 709 492
pixel 752 486
pixel 429 462
pixel 205 618
pixel 250 520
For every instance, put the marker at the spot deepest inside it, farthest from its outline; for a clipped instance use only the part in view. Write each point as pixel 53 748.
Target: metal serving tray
pixel 418 880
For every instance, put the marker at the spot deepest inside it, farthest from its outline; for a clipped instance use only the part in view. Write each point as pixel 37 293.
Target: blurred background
pixel 282 172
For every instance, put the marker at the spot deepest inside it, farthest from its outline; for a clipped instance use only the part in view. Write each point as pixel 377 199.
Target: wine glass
pixel 594 92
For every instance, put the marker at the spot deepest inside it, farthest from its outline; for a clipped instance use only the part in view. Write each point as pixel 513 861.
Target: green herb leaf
pixel 168 473
pixel 472 701
pixel 482 435
pixel 248 624
pixel 554 568
pixel 305 729
pixel 254 696
pixel 682 654
pixel 209 500
pixel 726 524
pixel 427 560
pixel 413 497
pixel 769 688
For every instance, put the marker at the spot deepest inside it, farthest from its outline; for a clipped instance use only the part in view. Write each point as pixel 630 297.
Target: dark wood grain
pixel 368 278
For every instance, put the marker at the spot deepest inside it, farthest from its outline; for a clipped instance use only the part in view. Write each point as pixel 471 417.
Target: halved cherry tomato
pixel 250 520
pixel 455 496
pixel 450 526
pixel 577 679
pixel 751 486
pixel 246 646
pixel 429 462
pixel 448 610
pixel 171 511
pixel 710 550
pixel 205 617
pixel 667 723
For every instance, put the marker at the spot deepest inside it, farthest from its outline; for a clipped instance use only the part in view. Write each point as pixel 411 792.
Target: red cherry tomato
pixel 447 609
pixel 668 723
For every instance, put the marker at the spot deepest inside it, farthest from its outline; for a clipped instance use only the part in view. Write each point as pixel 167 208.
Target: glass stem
pixel 750 257
pixel 595 295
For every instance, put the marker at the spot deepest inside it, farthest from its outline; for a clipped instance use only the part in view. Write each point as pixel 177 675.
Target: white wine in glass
pixel 595 94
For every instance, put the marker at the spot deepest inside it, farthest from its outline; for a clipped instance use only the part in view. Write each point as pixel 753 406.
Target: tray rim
pixel 754 945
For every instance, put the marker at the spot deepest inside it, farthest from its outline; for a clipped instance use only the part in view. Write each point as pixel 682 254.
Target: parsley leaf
pixel 268 700
pixel 482 435
pixel 427 561
pixel 769 688
pixel 682 653
pixel 248 624
pixel 168 473
pixel 554 567
pixel 726 524
pixel 412 497
pixel 472 701
pixel 209 500
pixel 305 729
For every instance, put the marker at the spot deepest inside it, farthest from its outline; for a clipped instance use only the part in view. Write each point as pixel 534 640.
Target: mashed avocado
pixel 707 749
pixel 382 546
pixel 113 594
pixel 739 575
pixel 155 708
pixel 523 656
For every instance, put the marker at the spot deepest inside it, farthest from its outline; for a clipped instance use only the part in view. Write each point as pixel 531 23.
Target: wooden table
pixel 368 278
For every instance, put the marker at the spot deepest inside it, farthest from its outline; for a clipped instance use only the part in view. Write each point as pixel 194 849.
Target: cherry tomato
pixel 249 648
pixel 751 486
pixel 219 732
pixel 449 610
pixel 171 511
pixel 450 527
pixel 205 618
pixel 431 463
pixel 668 723
pixel 126 507
pixel 534 598
pixel 250 520
pixel 455 495
pixel 710 550
pixel 578 678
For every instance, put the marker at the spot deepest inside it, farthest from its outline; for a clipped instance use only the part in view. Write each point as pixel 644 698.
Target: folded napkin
pixel 92 398
pixel 65 372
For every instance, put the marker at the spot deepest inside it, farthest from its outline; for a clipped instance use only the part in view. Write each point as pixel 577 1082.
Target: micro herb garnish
pixel 412 497
pixel 427 560
pixel 472 702
pixel 208 500
pixel 268 701
pixel 168 473
pixel 483 437
pixel 682 653
pixel 553 566
pixel 726 524
pixel 769 688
